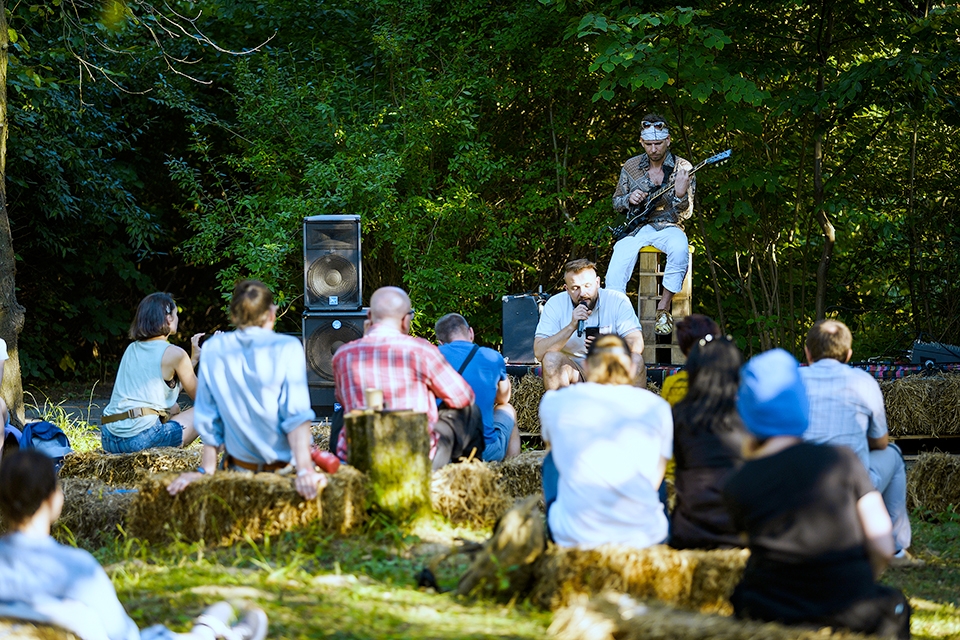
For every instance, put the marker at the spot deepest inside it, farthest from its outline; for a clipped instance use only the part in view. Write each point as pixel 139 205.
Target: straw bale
pixel 228 506
pixel 127 469
pixel 522 476
pixel 525 398
pixel 614 615
pixel 468 492
pixel 321 435
pixel 923 405
pixel 933 484
pixel 11 629
pixel 92 511
pixel 698 580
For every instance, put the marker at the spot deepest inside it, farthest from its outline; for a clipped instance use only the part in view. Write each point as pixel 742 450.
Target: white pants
pixel 671 240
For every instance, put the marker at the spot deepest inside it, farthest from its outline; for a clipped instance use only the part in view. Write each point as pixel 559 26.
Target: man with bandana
pixel 640 176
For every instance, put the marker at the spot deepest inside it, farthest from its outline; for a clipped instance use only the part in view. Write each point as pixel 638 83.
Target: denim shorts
pixel 503 426
pixel 161 434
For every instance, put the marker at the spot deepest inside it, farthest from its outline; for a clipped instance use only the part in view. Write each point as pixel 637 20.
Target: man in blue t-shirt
pixel 486 373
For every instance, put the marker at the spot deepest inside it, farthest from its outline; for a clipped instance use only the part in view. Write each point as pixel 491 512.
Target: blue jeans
pixel 889 476
pixel 496 449
pixel 161 434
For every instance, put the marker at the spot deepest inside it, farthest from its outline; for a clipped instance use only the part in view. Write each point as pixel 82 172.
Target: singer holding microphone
pixel 569 324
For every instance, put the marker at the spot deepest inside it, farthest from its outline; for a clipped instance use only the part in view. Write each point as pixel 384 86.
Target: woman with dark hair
pixel 143 412
pixel 253 399
pixel 44 581
pixel 610 442
pixel 708 440
pixel 690 330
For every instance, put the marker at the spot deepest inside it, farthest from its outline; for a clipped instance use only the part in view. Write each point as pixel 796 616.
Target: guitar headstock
pixel 720 157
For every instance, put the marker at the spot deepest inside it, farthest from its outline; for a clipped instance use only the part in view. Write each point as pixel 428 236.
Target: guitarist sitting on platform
pixel 662 229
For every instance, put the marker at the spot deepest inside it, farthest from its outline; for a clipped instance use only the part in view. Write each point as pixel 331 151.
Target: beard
pixel 589 302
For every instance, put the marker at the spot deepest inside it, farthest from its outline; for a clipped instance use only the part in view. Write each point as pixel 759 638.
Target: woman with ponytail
pixel 610 442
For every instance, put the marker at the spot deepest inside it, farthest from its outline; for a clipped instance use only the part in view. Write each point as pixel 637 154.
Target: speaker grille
pixel 332 276
pixel 323 337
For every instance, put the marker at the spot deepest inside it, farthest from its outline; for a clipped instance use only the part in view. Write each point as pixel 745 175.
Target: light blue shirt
pixel 252 392
pixel 846 406
pixel 63 585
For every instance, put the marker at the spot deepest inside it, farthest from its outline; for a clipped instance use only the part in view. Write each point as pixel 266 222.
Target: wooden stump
pixel 393 449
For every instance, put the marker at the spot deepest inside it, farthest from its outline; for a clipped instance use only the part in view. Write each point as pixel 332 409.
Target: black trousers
pixel 886 615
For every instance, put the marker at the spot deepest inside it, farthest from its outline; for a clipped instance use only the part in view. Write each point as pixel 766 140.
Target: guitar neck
pixel 673 179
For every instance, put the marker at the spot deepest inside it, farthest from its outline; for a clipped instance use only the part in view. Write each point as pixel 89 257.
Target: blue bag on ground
pixel 47 438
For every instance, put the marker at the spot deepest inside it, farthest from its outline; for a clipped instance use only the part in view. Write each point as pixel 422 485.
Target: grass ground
pixel 315 586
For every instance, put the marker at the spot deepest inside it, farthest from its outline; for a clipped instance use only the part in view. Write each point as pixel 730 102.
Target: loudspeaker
pixel 332 276
pixel 521 313
pixel 323 334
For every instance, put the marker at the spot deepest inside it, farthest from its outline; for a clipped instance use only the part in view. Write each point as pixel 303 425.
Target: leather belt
pixel 136 412
pixel 253 466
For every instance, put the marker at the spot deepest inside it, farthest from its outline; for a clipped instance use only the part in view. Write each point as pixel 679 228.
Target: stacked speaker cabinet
pixel 333 299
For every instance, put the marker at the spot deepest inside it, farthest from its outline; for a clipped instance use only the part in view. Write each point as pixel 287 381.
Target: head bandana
pixel 652 133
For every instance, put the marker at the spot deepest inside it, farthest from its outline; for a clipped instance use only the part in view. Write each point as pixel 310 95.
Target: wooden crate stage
pixel 659 349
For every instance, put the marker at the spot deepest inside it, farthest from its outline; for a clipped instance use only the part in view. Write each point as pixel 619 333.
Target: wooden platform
pixel 661 349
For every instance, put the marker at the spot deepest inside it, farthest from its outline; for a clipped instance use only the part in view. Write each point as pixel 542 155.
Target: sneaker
pixel 664 322
pixel 903 559
pixel 217 618
pixel 252 626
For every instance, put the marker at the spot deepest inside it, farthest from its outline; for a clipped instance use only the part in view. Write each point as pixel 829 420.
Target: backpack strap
pixel 473 352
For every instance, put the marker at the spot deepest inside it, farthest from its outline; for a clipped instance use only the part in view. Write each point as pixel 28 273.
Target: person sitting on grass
pixel 818 532
pixel 689 331
pixel 252 397
pixel 43 581
pixel 143 412
pixel 610 442
pixel 708 439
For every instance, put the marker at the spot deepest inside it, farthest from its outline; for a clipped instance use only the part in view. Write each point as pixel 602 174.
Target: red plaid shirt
pixel 411 372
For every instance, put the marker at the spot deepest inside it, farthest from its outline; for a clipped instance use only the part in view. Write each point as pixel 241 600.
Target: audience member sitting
pixel 44 581
pixel 818 532
pixel 143 412
pixel 708 439
pixel 610 442
pixel 689 330
pixel 486 372
pixel 252 397
pixel 846 409
pixel 411 373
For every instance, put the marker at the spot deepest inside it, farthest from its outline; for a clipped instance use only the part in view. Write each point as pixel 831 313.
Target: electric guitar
pixel 636 220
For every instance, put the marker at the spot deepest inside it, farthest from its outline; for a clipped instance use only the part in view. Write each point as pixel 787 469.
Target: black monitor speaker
pixel 332 274
pixel 521 313
pixel 323 334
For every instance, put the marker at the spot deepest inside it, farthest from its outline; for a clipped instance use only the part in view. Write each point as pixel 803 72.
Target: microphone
pixel 580 323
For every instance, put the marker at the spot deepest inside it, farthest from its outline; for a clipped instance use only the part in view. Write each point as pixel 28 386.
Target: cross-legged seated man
pixel 486 372
pixel 639 177
pixel 559 345
pixel 846 409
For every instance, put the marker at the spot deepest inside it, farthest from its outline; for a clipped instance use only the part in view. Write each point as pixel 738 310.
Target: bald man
pixel 411 372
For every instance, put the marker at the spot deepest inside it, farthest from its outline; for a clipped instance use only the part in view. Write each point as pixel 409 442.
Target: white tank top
pixel 140 383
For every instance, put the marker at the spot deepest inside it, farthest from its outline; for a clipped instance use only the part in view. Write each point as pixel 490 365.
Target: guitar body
pixel 636 220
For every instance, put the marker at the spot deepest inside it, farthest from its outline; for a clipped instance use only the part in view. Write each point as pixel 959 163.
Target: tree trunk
pixel 11 313
pixel 825 40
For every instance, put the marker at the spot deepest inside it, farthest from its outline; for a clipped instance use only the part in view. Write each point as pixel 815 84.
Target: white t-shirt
pixel 612 314
pixel 607 441
pixel 3 350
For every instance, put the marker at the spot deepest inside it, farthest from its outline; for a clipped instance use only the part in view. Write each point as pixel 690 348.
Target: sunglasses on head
pixel 659 126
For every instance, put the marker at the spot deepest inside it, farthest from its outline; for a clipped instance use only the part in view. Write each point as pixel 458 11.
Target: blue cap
pixel 772 399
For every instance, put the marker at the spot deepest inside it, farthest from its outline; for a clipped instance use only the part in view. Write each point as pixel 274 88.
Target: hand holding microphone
pixel 581 321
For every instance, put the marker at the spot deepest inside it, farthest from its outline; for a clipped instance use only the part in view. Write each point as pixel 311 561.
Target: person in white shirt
pixel 609 442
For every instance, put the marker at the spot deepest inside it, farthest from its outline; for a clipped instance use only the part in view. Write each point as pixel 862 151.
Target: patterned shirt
pixel 670 211
pixel 411 372
pixel 846 406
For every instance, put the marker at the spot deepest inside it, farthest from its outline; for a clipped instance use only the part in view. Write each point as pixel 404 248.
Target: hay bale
pixel 614 615
pixel 698 580
pixel 227 507
pixel 522 476
pixel 933 484
pixel 527 392
pixel 92 511
pixel 12 629
pixel 321 435
pixel 127 469
pixel 468 493
pixel 923 405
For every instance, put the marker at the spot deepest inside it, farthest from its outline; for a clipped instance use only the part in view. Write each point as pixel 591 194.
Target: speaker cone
pixel 324 342
pixel 332 275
